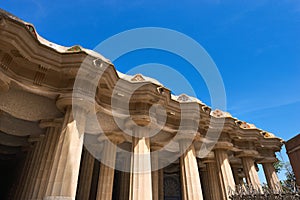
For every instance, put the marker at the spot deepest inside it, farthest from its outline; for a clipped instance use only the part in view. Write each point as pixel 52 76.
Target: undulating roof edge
pixel 138 77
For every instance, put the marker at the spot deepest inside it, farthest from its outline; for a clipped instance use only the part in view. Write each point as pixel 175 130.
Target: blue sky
pixel 255 45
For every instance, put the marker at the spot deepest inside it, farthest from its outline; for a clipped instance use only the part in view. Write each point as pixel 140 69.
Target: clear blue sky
pixel 255 45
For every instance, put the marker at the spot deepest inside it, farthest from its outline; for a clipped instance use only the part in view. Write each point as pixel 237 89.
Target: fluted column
pixel 24 175
pixel 204 180
pixel 161 184
pixel 125 177
pixel 183 179
pixel 191 186
pixel 224 172
pixel 213 180
pixel 85 177
pixel 48 156
pixel 236 174
pixel 37 166
pixel 31 171
pixel 271 177
pixel 155 173
pixel 44 151
pixel 107 171
pixel 251 173
pixel 63 178
pixel 141 183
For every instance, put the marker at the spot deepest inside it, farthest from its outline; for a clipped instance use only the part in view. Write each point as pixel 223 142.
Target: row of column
pixel 52 167
pixel 51 170
pixel 222 178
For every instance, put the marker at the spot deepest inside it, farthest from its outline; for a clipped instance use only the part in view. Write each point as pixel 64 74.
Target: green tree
pixel 289 183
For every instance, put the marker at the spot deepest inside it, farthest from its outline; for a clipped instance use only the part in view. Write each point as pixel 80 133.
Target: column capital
pixel 268 160
pixel 248 153
pixel 114 138
pixel 55 123
pixel 223 145
pixel 68 99
pixel 156 147
pixel 210 158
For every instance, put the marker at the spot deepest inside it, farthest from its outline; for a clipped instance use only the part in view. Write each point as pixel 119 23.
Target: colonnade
pixel 54 164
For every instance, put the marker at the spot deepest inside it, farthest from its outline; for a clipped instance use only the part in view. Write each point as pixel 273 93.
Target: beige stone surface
pixel 271 177
pixel 224 172
pixel 106 176
pixel 191 186
pixel 251 173
pixel 85 177
pixel 141 185
pixel 65 169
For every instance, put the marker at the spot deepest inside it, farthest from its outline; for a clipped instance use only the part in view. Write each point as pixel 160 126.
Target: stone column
pixel 37 170
pixel 141 183
pixel 48 156
pixel 251 173
pixel 271 176
pixel 107 171
pixel 224 169
pixel 62 182
pixel 204 179
pixel 37 165
pixel 40 166
pixel 191 186
pixel 125 177
pixel 238 174
pixel 161 184
pixel 213 180
pixel 235 171
pixel 85 177
pixel 183 179
pixel 24 175
pixel 155 173
pixel 31 171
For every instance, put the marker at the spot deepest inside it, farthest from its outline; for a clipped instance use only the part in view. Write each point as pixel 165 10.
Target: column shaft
pixel 191 186
pixel 141 186
pixel 37 166
pixel 251 173
pixel 183 179
pixel 63 178
pixel 213 181
pixel 48 163
pixel 271 177
pixel 24 174
pixel 155 176
pixel 41 163
pixel 30 173
pixel 106 176
pixel 125 179
pixel 224 172
pixel 85 177
pixel 204 180
pixel 161 184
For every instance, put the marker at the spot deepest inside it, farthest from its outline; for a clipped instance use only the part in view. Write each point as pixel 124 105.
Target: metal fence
pixel 246 192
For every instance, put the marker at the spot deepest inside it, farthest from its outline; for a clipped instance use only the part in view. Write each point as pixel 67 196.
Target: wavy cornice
pixel 50 70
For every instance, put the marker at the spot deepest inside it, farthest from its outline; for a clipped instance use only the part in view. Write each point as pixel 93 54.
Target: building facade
pixel 293 150
pixel 66 137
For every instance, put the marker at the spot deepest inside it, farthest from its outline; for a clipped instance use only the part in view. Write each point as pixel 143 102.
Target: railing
pixel 247 192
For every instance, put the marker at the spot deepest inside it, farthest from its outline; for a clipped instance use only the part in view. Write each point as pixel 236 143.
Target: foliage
pixel 289 184
pixel 278 166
